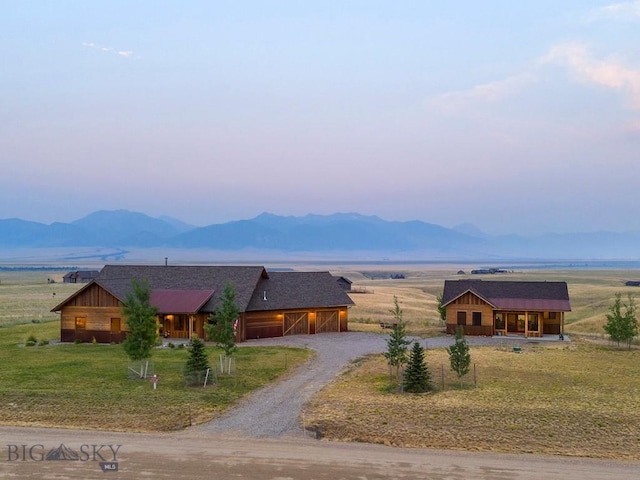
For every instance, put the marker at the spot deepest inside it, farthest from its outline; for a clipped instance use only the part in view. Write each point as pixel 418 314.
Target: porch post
pixel 190 327
pixel 526 323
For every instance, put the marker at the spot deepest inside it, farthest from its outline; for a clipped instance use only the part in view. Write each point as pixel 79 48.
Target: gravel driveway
pixel 276 409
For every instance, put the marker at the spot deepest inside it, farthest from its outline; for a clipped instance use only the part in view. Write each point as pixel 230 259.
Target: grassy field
pixel 579 400
pixel 86 386
pixel 28 296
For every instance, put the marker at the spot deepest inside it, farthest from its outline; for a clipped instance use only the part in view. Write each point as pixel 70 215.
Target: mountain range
pixel 340 232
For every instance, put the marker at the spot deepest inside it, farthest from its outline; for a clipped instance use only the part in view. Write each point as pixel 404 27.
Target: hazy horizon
pixel 517 118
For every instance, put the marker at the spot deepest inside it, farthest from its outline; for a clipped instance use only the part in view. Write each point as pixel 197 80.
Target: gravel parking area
pixel 277 409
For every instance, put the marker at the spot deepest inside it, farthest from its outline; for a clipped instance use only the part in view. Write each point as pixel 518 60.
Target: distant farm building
pixel 80 276
pixel 632 283
pixel 344 283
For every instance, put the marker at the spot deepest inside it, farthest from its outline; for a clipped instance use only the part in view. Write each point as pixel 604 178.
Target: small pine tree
pixel 222 326
pixel 622 326
pixel 397 343
pixel 442 310
pixel 417 378
pixel 141 320
pixel 197 363
pixel 459 355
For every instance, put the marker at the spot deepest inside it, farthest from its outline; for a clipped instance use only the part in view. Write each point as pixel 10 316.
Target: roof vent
pixel 264 296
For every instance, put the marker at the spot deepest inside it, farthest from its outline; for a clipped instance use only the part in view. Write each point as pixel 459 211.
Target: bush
pixel 32 340
pixel 42 343
pixel 77 341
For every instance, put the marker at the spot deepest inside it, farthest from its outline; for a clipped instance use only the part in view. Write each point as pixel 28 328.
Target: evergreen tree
pixel 197 363
pixel 222 324
pixel 622 326
pixel 397 343
pixel 459 355
pixel 417 378
pixel 140 316
pixel 442 310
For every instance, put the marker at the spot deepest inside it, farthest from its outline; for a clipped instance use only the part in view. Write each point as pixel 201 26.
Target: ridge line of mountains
pixel 340 232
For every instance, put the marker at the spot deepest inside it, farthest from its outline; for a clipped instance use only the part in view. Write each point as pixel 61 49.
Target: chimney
pixel 264 296
pixel 166 261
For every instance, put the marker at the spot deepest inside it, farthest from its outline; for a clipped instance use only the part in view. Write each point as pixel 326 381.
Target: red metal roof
pixel 171 301
pixel 542 304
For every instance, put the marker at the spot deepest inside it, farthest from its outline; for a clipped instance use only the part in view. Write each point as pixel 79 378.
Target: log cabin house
pixel 271 304
pixel 530 309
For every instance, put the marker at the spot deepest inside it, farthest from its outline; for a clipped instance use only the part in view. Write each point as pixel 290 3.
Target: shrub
pixel 42 343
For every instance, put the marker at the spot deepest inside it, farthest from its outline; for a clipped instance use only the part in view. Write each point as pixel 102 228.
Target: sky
pixel 517 117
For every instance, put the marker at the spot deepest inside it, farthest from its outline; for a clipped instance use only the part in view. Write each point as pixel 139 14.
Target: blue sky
pixel 514 116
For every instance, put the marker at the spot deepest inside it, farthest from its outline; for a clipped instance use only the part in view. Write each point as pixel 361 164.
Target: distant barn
pixel 344 282
pixel 632 283
pixel 80 276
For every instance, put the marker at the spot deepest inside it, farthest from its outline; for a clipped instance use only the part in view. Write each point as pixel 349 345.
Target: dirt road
pixel 197 454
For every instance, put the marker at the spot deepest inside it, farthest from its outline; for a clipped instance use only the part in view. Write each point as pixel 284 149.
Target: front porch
pixel 181 326
pixel 503 323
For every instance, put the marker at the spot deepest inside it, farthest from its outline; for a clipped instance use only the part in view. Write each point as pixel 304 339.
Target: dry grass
pixel 580 400
pixel 28 296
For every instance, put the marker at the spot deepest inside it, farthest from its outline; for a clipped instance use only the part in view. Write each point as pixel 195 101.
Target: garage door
pixel 296 323
pixel 328 321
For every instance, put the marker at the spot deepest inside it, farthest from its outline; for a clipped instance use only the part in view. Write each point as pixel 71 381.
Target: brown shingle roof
pixel 178 286
pixel 291 290
pixel 506 295
pixel 117 280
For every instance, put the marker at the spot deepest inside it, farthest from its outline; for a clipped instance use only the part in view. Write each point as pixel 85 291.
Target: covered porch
pixel 181 326
pixel 527 323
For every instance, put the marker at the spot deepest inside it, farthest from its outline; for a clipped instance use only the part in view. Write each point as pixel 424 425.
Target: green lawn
pixel 86 385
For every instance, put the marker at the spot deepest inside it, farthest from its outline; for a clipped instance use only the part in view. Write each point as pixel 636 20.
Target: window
pixel 462 318
pixel 500 321
pixel 532 323
pixel 476 318
pixel 552 315
pixel 81 323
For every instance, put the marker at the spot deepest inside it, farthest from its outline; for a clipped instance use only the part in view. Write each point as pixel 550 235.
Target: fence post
pixel 475 376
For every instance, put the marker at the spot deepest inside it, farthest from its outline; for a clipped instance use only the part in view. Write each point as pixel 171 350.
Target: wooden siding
pixel 470 303
pixel 98 324
pixel 471 330
pixel 275 324
pixel 93 296
pixel 469 299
